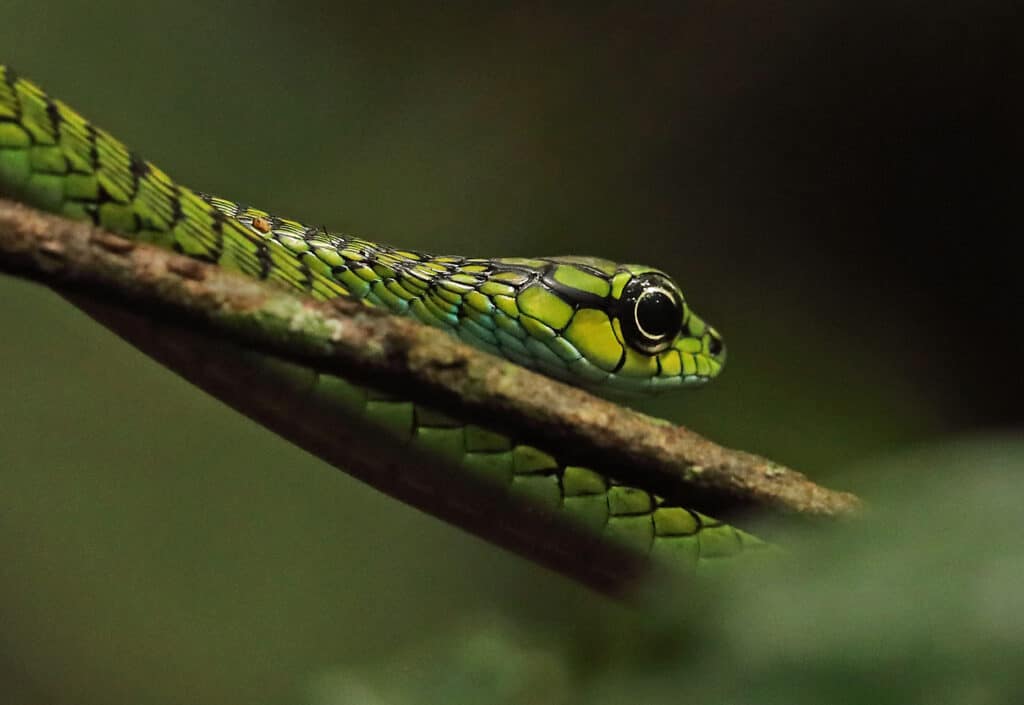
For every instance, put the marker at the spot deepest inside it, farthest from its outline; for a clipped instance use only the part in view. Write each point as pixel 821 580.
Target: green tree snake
pixel 611 328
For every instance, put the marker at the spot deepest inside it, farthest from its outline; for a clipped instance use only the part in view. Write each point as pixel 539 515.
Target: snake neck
pixel 486 302
pixel 439 289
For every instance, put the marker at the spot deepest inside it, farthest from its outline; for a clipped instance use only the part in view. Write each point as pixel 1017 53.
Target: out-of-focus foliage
pixel 822 178
pixel 919 604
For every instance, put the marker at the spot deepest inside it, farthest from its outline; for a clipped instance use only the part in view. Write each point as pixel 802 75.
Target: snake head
pixel 664 342
pixel 617 328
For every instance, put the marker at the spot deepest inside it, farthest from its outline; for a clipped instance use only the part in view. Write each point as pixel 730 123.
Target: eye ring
pixel 651 313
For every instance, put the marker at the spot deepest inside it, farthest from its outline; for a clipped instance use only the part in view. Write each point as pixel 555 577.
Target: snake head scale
pixel 617 328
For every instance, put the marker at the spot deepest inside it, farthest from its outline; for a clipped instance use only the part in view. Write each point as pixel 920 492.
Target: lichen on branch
pixel 371 346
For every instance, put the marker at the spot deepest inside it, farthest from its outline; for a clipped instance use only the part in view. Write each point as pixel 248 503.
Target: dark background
pixel 835 185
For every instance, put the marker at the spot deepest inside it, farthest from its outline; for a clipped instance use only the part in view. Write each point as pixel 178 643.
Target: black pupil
pixel 657 315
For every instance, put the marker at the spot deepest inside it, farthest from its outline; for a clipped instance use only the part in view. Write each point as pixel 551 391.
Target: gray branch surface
pixel 399 354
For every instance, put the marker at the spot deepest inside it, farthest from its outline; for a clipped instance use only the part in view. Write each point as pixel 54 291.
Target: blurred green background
pixel 822 178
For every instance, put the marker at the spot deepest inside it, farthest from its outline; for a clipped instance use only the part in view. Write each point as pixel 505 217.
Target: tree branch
pixel 399 354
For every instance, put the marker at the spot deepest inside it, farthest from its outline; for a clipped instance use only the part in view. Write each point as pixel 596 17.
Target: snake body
pixel 605 326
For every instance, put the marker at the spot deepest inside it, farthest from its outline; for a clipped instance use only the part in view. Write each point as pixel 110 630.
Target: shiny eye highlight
pixel 651 313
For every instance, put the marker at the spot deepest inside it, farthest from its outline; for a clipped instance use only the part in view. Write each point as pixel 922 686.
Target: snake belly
pixel 605 326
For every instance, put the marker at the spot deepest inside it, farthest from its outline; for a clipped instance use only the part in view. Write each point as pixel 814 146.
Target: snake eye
pixel 652 313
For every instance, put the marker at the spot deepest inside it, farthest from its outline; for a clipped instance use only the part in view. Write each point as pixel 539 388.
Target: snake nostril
pixel 714 344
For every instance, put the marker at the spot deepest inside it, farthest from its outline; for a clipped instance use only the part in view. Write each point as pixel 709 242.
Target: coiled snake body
pixel 591 322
